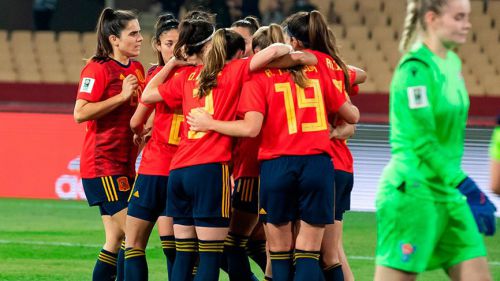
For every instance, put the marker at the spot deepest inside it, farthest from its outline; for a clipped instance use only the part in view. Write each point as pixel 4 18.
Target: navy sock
pixel 185 258
pixel 334 273
pixel 210 253
pixel 105 267
pixel 306 265
pixel 136 267
pixel 120 263
pixel 256 250
pixel 237 259
pixel 282 265
pixel 168 246
pixel 267 278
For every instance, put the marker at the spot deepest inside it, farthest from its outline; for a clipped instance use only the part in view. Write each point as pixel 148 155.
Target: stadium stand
pixel 367 33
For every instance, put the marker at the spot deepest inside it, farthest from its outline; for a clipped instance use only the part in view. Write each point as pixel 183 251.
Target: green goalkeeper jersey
pixel 428 114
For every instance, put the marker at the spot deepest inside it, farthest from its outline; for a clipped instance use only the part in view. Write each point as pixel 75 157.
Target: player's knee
pixel 329 257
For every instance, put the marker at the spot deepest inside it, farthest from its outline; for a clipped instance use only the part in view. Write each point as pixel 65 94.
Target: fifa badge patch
pixel 417 97
pixel 407 250
pixel 87 85
pixel 123 184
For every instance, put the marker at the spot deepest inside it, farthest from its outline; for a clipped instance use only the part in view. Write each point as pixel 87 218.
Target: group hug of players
pixel 238 128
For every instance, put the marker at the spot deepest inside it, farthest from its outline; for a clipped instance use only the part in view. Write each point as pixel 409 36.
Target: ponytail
pixel 271 34
pixel 110 22
pixel 410 25
pixel 225 44
pixel 322 38
pixel 415 13
pixel 193 36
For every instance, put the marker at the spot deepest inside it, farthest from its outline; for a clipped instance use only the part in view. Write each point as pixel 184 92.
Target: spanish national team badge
pixel 123 184
pixel 407 250
pixel 417 97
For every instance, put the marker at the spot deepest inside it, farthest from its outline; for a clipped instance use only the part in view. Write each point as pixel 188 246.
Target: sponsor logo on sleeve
pixel 417 97
pixel 87 85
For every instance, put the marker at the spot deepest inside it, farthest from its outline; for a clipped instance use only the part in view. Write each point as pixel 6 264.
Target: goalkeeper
pixel 424 221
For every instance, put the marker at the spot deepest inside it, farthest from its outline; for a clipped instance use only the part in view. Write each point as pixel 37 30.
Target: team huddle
pixel 243 132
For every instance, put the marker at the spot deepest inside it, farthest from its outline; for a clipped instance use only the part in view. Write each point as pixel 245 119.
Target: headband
pixel 203 41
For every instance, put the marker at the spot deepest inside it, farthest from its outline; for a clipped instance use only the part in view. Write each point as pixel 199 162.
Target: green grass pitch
pixel 60 240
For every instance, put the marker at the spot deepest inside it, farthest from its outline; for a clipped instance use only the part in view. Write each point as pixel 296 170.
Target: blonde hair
pixel 271 34
pixel 414 21
pixel 225 44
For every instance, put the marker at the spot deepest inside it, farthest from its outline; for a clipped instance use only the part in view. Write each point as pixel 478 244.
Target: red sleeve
pixel 171 91
pixel 335 95
pixel 253 97
pixel 92 82
pixel 151 73
pixel 239 70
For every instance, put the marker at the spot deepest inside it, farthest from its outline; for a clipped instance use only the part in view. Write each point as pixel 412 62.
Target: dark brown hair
pixel 193 36
pixel 111 22
pixel 165 23
pixel 250 22
pixel 311 29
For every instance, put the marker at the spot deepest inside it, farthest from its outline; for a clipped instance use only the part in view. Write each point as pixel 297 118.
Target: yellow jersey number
pixel 175 129
pixel 209 107
pixel 303 102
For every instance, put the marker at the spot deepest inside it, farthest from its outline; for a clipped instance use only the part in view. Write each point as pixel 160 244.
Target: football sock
pixel 210 253
pixel 168 246
pixel 105 267
pixel 185 257
pixel 136 267
pixel 306 265
pixel 282 265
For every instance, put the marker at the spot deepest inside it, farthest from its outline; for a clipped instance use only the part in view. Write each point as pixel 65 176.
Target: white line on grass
pixel 68 244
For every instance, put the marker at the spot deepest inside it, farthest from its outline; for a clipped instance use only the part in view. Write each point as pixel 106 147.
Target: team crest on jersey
pixel 123 184
pixel 407 250
pixel 417 97
pixel 87 85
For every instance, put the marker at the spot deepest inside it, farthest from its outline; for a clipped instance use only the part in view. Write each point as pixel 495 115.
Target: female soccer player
pixel 296 168
pixel 147 203
pixel 300 28
pixel 246 28
pixel 423 220
pixel 198 188
pixel 110 85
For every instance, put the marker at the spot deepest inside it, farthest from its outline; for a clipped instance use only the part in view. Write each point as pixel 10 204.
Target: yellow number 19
pixel 303 102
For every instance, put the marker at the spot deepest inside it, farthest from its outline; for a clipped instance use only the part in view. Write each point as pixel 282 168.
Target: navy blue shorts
pixel 343 188
pixel 148 199
pixel 110 193
pixel 297 188
pixel 201 192
pixel 246 195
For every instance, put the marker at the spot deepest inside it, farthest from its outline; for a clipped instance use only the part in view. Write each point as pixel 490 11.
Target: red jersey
pixel 245 162
pixel 205 147
pixel 165 138
pixel 342 156
pixel 108 148
pixel 295 120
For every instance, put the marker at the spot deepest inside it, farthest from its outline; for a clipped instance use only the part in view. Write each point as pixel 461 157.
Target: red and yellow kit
pixel 205 147
pixel 245 162
pixel 342 157
pixel 108 147
pixel 158 152
pixel 295 120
